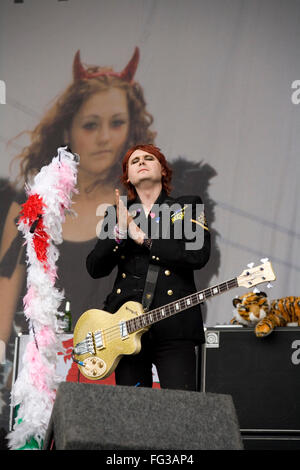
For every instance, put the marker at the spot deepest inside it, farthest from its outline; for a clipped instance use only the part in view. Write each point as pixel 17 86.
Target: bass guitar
pixel 101 338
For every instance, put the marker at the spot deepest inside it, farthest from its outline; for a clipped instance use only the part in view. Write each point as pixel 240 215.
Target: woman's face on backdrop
pixel 100 130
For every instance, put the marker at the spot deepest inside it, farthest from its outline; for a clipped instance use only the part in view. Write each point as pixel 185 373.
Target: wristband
pixel 119 234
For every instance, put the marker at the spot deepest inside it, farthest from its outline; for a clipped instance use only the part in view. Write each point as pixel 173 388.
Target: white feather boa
pixel 41 220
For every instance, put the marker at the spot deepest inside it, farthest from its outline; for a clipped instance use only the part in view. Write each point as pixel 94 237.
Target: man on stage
pixel 157 242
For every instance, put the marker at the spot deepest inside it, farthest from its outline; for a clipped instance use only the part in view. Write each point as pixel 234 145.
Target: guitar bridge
pixel 85 346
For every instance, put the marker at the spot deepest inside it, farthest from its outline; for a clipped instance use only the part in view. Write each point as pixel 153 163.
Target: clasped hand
pixel 126 222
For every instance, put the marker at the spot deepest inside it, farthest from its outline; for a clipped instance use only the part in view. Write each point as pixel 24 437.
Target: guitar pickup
pixel 123 330
pixel 98 339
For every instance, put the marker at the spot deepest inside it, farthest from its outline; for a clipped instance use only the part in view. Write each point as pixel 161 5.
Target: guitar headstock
pixel 256 275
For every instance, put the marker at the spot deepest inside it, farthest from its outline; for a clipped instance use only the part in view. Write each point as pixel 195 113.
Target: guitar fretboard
pixel 160 313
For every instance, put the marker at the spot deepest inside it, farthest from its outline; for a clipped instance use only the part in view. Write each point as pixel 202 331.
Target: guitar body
pixel 107 335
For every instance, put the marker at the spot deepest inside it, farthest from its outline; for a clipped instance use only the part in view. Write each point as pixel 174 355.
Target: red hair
pixel 166 177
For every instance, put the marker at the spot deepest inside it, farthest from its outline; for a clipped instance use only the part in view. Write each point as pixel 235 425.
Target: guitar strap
pixel 150 285
pixel 152 275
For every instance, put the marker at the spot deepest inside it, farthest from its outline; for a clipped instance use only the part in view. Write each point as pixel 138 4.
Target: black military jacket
pixel 176 257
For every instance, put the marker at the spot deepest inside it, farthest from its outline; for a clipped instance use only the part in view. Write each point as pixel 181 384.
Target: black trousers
pixel 175 361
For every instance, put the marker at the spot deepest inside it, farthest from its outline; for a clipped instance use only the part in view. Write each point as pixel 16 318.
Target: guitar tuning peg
pixel 250 265
pixel 256 291
pixel 269 285
pixel 264 260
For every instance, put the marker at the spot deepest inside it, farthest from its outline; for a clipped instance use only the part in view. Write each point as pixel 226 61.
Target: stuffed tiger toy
pixel 253 309
pixel 250 308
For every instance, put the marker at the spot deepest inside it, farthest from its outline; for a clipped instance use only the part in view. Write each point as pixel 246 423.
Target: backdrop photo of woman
pixel 99 115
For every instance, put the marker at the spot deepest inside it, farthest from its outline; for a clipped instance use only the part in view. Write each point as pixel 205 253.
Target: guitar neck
pixel 160 313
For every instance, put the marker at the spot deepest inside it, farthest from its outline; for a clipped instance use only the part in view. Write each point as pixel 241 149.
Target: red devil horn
pixel 130 69
pixel 78 70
